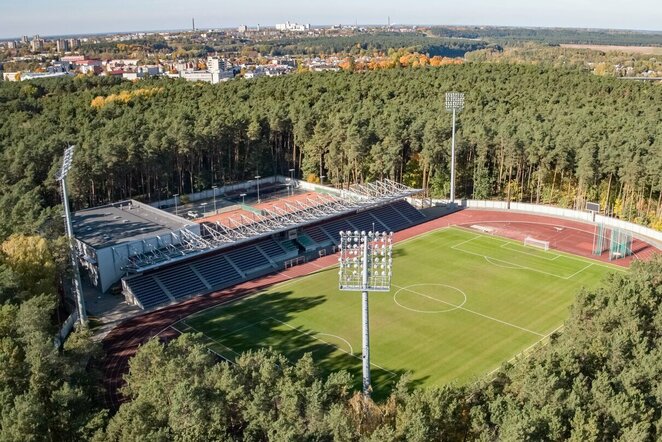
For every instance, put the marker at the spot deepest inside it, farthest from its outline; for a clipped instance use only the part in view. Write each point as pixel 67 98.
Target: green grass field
pixel 461 304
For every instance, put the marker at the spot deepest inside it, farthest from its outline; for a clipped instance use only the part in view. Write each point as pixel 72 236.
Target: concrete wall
pixel 66 328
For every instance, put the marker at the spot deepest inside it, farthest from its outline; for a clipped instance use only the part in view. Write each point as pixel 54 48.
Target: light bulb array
pixel 366 260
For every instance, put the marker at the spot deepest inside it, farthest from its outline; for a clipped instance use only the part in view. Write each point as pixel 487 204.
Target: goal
pixel 537 243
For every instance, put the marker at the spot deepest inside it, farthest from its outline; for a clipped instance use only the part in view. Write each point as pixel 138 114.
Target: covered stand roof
pixel 270 218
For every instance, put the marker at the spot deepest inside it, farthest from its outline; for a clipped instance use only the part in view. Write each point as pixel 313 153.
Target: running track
pixel 123 341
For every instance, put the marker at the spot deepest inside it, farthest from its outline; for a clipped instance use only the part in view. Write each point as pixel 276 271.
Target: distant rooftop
pixel 122 222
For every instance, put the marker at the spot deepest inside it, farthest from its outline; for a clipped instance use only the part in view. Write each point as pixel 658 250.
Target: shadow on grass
pixel 263 321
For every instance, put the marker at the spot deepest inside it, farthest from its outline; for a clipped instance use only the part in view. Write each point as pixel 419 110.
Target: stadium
pixel 254 265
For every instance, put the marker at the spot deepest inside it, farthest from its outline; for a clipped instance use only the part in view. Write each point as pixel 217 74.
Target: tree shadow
pixel 264 322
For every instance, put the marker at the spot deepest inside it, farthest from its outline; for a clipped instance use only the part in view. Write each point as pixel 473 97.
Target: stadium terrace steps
pixel 182 283
pixel 307 242
pixel 334 227
pixel 217 271
pixel 224 269
pixel 272 248
pixel 248 259
pixel 147 291
pixel 318 235
pixel 290 246
pixel 409 211
pixel 364 221
pixel 391 218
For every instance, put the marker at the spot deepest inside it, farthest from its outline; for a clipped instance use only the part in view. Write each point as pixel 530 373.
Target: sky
pixel 57 17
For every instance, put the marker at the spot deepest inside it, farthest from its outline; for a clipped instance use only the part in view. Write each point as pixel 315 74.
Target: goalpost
pixel 537 243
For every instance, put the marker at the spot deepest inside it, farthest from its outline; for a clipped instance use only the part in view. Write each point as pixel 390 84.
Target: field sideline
pixel 461 304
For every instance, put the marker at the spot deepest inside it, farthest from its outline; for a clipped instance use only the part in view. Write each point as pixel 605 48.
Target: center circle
pixel 430 298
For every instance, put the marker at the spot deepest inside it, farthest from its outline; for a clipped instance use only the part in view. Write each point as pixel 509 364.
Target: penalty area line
pixel 210 339
pixel 329 343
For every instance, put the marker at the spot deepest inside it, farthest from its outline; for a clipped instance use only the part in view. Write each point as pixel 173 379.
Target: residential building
pixel 205 76
pixel 37 44
pixel 62 45
pixel 216 64
pixel 292 27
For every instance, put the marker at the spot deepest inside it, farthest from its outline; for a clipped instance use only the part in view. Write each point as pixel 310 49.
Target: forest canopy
pixel 528 133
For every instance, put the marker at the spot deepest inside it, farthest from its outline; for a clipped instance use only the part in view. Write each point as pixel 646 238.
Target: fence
pixel 647 233
pixel 230 188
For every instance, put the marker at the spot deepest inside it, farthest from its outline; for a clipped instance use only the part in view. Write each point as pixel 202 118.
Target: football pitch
pixel 461 304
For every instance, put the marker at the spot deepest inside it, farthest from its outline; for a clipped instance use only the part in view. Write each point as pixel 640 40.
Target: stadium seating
pixel 271 248
pixel 364 221
pixel 318 235
pixel 334 227
pixel 408 211
pixel 147 291
pixel 217 271
pixel 181 283
pixel 248 259
pixel 306 242
pixel 391 218
pixel 290 246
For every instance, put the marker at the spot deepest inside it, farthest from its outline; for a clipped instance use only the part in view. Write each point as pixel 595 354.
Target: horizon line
pixel 203 29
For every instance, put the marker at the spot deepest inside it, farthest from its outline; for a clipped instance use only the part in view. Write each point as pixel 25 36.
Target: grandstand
pixel 246 242
pixel 109 238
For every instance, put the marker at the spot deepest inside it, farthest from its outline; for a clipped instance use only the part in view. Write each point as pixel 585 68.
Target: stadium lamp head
pixel 454 101
pixel 66 163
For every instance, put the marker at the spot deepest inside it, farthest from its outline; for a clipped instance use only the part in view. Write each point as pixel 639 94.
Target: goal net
pixel 537 243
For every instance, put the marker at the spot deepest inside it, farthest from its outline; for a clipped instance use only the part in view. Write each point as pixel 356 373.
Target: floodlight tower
pixel 366 263
pixel 454 103
pixel 77 286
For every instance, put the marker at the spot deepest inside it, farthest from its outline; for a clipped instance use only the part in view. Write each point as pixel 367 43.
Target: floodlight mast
pixel 365 265
pixel 454 103
pixel 77 284
pixel 365 321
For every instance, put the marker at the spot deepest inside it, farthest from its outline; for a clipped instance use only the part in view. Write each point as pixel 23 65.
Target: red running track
pixel 123 341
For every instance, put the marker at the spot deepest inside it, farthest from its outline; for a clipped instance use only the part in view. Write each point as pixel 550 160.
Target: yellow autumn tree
pixel 98 102
pixel 31 259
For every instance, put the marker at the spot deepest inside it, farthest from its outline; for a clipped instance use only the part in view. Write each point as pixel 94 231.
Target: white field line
pixel 488 258
pixel 527 349
pixel 464 242
pixel 246 298
pixel 504 246
pixel 472 311
pixel 508 262
pixel 212 340
pixel 510 266
pixel 333 345
pixel 579 271
pixel 564 254
pixel 295 279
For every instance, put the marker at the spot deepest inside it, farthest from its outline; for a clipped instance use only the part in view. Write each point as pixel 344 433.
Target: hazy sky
pixel 48 17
